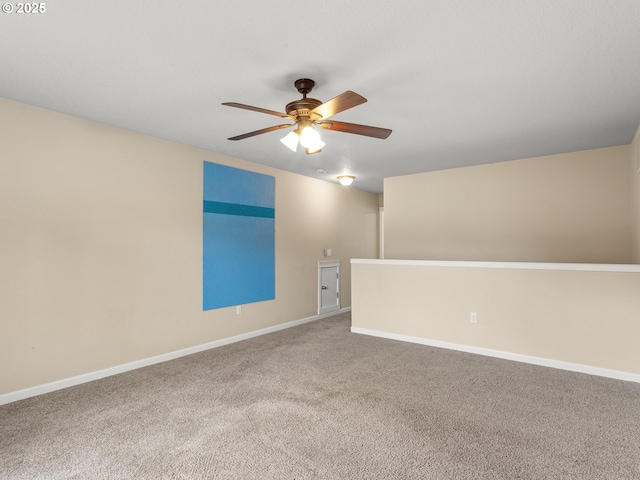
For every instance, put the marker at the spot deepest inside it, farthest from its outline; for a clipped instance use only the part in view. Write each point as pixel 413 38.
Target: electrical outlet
pixel 239 309
pixel 473 317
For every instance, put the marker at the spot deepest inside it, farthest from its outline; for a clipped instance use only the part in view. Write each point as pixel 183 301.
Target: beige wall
pixel 635 195
pixel 587 318
pixel 573 207
pixel 100 247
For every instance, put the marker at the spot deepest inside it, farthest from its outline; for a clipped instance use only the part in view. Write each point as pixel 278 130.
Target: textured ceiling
pixel 459 82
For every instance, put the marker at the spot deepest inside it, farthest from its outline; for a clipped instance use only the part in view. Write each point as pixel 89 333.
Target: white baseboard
pixel 545 362
pixel 145 362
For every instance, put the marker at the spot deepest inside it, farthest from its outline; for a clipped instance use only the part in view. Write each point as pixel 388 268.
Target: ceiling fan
pixel 308 112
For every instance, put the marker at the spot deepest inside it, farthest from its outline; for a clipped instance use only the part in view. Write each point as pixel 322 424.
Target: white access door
pixel 328 286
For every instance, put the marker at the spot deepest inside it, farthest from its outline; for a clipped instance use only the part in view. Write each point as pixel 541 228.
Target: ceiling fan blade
pixel 257 109
pixel 258 132
pixel 365 130
pixel 338 104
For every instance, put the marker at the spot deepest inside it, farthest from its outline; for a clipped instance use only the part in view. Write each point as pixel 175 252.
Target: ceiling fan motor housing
pixel 302 107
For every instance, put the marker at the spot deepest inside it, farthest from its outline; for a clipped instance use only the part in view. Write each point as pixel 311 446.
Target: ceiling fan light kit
pixel 310 112
pixel 310 140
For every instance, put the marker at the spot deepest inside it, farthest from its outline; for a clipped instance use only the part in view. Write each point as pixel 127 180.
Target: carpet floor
pixel 316 401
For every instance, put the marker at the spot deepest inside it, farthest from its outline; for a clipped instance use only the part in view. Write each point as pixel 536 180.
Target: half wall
pixel 579 317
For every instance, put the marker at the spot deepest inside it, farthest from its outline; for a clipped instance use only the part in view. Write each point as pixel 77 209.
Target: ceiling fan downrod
pixel 304 86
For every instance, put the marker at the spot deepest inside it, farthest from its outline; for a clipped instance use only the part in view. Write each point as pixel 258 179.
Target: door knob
pixel 324 288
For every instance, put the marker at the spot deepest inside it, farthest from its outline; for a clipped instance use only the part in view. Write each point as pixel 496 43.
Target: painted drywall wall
pixel 101 247
pixel 634 175
pixel 587 318
pixel 573 207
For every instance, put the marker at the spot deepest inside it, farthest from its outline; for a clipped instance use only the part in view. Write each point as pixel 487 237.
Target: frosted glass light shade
pixel 310 139
pixel 291 141
pixel 346 180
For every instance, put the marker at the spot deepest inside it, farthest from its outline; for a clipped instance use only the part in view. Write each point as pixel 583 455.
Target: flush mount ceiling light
pixel 309 112
pixel 346 180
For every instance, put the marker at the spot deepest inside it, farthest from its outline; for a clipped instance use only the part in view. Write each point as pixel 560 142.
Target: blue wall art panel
pixel 238 264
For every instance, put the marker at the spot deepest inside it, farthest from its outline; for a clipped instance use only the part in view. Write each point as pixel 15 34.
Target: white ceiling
pixel 460 82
